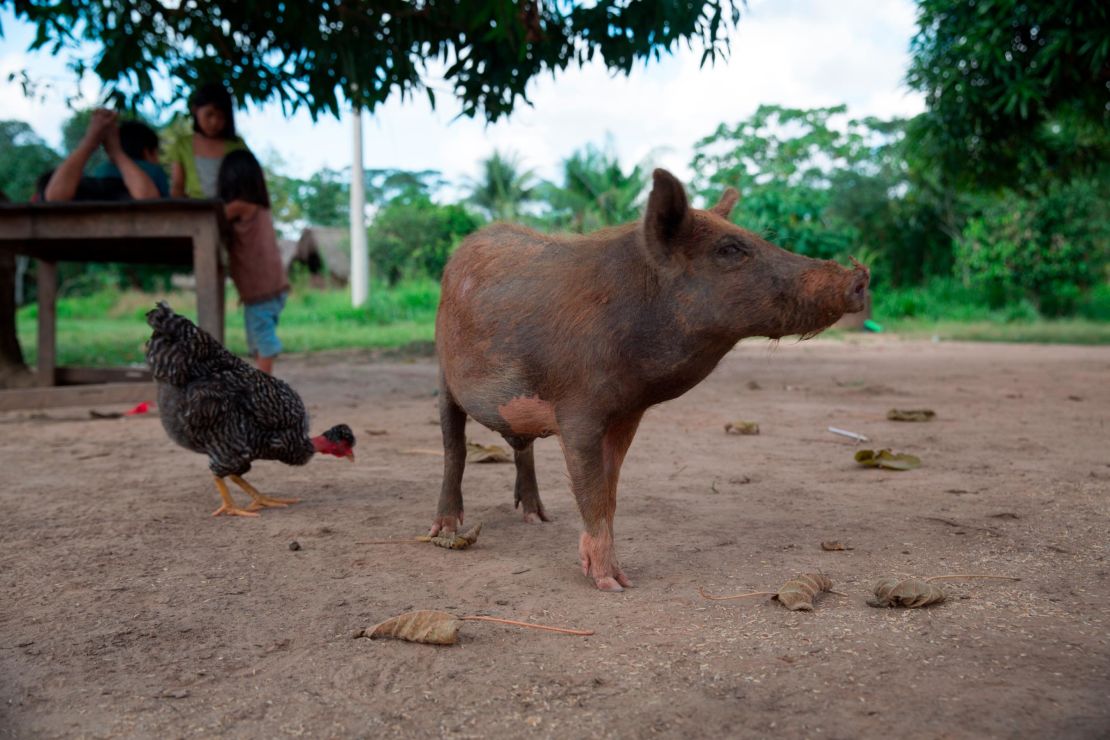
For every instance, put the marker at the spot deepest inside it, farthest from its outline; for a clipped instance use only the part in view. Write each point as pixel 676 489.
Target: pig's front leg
pixel 452 419
pixel 594 459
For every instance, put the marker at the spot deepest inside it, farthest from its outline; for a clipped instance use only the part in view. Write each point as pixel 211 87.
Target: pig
pixel 576 336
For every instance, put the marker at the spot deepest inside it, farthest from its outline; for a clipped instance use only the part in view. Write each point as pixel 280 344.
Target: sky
pixel 797 53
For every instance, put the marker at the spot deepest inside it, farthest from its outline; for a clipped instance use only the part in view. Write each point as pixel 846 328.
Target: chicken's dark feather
pixel 213 402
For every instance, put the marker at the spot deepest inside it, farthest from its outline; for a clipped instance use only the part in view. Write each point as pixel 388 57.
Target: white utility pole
pixel 360 258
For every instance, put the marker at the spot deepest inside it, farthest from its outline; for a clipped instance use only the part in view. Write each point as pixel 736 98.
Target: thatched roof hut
pixel 322 247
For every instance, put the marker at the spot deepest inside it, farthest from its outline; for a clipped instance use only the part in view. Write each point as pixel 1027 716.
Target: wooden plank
pixel 153 205
pixel 210 283
pixel 77 395
pixel 97 375
pixel 48 319
pixel 162 250
pixel 94 227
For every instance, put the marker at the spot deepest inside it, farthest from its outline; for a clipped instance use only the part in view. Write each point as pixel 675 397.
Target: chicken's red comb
pixel 142 408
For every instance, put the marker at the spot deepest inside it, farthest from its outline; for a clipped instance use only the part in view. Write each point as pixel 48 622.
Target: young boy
pixel 132 170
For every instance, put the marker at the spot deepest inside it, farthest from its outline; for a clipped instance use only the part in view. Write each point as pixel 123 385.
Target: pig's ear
pixel 728 200
pixel 666 210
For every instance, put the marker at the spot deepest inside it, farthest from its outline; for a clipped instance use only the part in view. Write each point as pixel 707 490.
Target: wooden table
pixel 158 232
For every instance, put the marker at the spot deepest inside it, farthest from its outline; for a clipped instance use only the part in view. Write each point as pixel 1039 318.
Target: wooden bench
pixel 161 232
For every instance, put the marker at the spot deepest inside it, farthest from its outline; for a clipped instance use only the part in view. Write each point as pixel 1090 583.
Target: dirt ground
pixel 128 611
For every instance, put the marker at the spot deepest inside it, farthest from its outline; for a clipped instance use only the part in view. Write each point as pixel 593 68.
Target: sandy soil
pixel 125 610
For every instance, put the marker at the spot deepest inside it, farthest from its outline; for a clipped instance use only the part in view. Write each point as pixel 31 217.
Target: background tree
pixel 324 197
pixel 596 192
pixel 411 236
pixel 813 181
pixel 317 52
pixel 1004 79
pixel 1015 143
pixel 23 158
pixel 385 184
pixel 504 187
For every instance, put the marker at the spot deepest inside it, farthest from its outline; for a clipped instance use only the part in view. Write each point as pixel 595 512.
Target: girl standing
pixel 253 259
pixel 196 157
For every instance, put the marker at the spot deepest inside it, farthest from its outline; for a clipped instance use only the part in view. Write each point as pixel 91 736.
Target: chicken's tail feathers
pixel 176 346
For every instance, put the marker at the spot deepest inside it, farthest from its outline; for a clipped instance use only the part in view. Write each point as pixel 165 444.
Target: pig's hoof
pixel 446 523
pixel 609 584
pixel 535 517
pixel 600 563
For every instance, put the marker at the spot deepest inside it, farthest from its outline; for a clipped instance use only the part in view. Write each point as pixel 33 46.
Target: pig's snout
pixel 856 295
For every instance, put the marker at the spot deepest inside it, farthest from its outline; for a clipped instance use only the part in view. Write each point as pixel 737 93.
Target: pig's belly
pixel 514 414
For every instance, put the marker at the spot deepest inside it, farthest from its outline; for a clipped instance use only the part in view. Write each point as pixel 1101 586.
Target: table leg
pixel 48 322
pixel 210 282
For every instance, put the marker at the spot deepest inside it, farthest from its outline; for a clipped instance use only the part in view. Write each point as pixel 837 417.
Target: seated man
pixel 131 172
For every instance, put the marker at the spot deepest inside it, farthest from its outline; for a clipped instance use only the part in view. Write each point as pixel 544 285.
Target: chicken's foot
pixel 260 501
pixel 228 507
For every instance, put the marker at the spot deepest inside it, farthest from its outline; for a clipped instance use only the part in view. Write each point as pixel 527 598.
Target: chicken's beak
pixel 350 455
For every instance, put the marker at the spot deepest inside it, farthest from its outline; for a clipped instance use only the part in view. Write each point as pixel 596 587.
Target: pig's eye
pixel 730 249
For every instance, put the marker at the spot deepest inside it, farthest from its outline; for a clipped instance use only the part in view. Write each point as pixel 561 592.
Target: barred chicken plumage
pixel 216 404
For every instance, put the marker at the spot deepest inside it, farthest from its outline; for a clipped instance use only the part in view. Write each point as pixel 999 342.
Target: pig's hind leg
pixel 527 490
pixel 452 419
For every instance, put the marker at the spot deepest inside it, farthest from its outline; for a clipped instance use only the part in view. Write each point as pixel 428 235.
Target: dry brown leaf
pixel 911 593
pixel 456 541
pixel 911 414
pixel 742 427
pixel 830 545
pixel 426 625
pixel 450 540
pixel 476 453
pixel 796 594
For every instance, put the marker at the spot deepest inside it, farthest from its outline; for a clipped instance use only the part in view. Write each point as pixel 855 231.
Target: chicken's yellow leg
pixel 259 500
pixel 228 507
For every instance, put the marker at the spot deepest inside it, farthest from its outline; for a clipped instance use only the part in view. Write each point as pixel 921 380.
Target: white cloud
pixel 47 109
pixel 801 53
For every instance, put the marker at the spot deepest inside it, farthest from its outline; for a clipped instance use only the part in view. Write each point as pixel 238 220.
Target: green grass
pixel 1040 331
pixel 948 310
pixel 109 327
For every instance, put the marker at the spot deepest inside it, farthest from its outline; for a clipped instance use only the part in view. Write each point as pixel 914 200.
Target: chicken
pixel 214 403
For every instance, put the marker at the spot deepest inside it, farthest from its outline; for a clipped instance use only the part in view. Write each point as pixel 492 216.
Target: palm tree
pixel 503 188
pixel 596 191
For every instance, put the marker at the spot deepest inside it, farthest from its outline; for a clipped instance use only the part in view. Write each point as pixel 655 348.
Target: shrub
pixel 1051 248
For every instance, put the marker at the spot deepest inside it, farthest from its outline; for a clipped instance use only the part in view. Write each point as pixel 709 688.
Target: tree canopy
pixel 23 157
pixel 504 187
pixel 316 53
pixel 1013 88
pixel 796 170
pixel 596 192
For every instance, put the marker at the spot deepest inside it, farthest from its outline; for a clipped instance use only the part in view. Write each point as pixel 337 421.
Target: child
pixel 254 260
pixel 196 157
